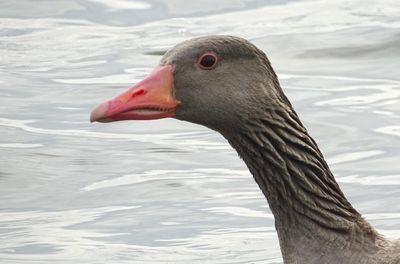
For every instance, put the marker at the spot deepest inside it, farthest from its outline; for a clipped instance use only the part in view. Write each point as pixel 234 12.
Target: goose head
pixel 215 81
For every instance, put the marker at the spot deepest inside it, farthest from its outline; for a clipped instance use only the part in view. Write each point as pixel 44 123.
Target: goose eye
pixel 207 61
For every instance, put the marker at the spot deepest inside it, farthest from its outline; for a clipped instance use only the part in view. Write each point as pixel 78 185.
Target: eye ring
pixel 207 61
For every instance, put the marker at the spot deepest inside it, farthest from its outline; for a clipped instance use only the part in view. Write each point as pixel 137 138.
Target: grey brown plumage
pixel 242 99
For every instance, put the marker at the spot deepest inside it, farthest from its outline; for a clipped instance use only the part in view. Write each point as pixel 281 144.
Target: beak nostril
pixel 140 102
pixel 138 92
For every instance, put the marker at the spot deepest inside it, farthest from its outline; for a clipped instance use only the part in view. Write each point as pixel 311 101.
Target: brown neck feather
pixel 307 203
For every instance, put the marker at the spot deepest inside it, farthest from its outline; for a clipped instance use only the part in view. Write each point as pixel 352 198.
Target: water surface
pixel 168 191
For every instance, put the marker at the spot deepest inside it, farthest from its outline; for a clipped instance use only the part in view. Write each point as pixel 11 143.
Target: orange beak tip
pixel 99 113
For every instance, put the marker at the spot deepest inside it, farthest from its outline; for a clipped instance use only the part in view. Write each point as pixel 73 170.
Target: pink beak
pixel 151 98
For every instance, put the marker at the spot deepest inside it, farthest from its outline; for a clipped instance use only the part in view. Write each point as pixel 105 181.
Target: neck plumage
pixel 311 212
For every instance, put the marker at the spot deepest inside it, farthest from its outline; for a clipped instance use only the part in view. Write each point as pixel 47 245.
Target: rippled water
pixel 167 191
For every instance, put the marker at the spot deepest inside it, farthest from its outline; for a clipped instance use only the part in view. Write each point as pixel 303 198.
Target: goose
pixel 228 85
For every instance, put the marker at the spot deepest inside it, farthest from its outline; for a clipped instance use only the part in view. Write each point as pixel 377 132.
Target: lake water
pixel 168 191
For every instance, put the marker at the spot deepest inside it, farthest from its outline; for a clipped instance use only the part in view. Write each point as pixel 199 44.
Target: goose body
pixel 227 84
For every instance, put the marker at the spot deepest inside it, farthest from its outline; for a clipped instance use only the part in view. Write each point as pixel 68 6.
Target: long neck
pixel 311 212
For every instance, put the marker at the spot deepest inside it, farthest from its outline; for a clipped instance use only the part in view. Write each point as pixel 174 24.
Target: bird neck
pixel 309 208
